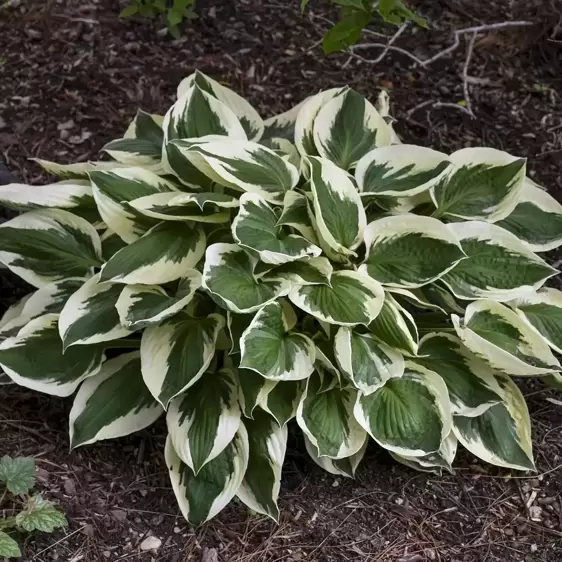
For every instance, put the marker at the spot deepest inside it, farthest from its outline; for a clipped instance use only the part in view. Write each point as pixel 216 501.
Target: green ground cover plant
pixel 22 511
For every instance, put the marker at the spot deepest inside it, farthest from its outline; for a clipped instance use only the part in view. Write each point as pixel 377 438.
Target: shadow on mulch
pixel 72 76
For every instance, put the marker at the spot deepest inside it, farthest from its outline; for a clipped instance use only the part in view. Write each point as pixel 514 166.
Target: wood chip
pixel 150 543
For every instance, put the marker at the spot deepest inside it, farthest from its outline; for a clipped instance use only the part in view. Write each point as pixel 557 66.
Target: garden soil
pixel 71 77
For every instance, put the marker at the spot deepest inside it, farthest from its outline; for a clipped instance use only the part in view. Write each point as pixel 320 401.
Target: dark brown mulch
pixel 75 63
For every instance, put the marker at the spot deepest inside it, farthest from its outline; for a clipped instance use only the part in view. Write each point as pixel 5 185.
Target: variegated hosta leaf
pixel 255 227
pixel 502 434
pixel 396 327
pixel 409 250
pixel 281 399
pixel 243 165
pixel 113 403
pixel 295 214
pixel 34 358
pixel 536 220
pixel 410 415
pixel 268 347
pixel 401 170
pixel 326 418
pixel 417 298
pixel 440 295
pixel 139 306
pixel 49 245
pixel 176 353
pixel 282 126
pixel 203 420
pixel 505 341
pixel 114 190
pixel 77 171
pixel 253 390
pixel 197 114
pixel 367 362
pixel 141 144
pixel 338 210
pixel 314 271
pixel 484 183
pixel 553 381
pixel 111 243
pixel 48 300
pixel 229 276
pixel 219 234
pixel 165 253
pixel 199 207
pixel 286 149
pixel 89 315
pixel 62 195
pixel 543 312
pixel 202 496
pixel 140 127
pixel 326 364
pixel 249 118
pixel 268 441
pixel 340 467
pixel 237 324
pixel 471 383
pixel 351 298
pixel 419 204
pixel 13 311
pixel 382 105
pixel 499 266
pixel 433 462
pixel 304 124
pixel 347 127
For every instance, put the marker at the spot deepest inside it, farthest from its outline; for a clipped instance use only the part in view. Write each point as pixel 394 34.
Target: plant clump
pixel 235 274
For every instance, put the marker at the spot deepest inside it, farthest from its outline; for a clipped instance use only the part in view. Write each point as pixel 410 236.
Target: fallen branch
pixel 438 105
pixel 386 48
pixel 457 34
pixel 465 89
pixel 474 30
pixel 389 46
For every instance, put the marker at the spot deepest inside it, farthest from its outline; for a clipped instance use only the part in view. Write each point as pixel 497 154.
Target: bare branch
pixel 389 44
pixel 494 26
pixel 555 31
pixel 465 88
pixel 401 30
pixel 474 30
pixel 444 52
pixel 386 48
pixel 437 105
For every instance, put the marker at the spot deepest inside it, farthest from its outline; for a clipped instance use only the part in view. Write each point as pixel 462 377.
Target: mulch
pixel 72 75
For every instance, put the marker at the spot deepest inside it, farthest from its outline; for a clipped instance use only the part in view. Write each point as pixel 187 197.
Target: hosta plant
pixel 235 274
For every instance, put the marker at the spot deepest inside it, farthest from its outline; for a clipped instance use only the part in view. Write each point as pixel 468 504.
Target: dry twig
pixel 465 90
pixel 389 46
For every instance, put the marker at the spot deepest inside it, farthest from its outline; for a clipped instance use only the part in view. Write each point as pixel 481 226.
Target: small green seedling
pixel 21 510
pixel 174 12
